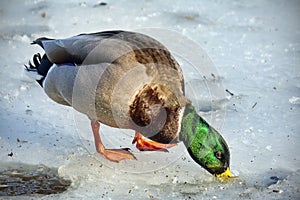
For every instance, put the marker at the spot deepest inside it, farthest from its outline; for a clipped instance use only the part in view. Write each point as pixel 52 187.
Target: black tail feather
pixel 41 66
pixel 37 59
pixel 36 63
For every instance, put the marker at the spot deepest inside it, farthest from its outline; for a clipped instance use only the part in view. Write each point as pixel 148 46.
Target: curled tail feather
pixel 39 68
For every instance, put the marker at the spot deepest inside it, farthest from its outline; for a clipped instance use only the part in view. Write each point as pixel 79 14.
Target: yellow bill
pixel 226 176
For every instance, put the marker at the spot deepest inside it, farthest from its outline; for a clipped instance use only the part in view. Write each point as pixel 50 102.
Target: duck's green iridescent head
pixel 205 145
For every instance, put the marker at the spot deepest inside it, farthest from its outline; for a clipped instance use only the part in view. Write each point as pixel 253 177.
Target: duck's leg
pixel 149 145
pixel 115 155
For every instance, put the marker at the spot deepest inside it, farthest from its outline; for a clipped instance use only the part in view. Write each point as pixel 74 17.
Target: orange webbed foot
pixel 149 145
pixel 115 155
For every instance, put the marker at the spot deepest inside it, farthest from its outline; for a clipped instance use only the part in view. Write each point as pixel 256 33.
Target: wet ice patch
pixel 19 179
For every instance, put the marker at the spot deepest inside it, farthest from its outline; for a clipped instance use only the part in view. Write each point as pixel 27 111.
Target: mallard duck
pixel 128 80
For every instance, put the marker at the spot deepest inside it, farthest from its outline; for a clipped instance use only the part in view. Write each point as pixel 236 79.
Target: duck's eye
pixel 218 155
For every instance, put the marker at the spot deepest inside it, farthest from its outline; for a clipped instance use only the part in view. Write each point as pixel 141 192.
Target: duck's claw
pixel 149 145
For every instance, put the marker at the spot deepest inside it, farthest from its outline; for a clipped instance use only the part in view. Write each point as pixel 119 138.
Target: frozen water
pixel 255 46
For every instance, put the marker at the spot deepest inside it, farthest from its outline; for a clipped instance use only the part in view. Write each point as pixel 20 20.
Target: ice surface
pixel 255 46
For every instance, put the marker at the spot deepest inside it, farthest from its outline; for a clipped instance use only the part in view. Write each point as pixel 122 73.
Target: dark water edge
pixel 19 179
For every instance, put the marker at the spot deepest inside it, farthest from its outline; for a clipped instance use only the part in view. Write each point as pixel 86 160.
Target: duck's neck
pixel 193 127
